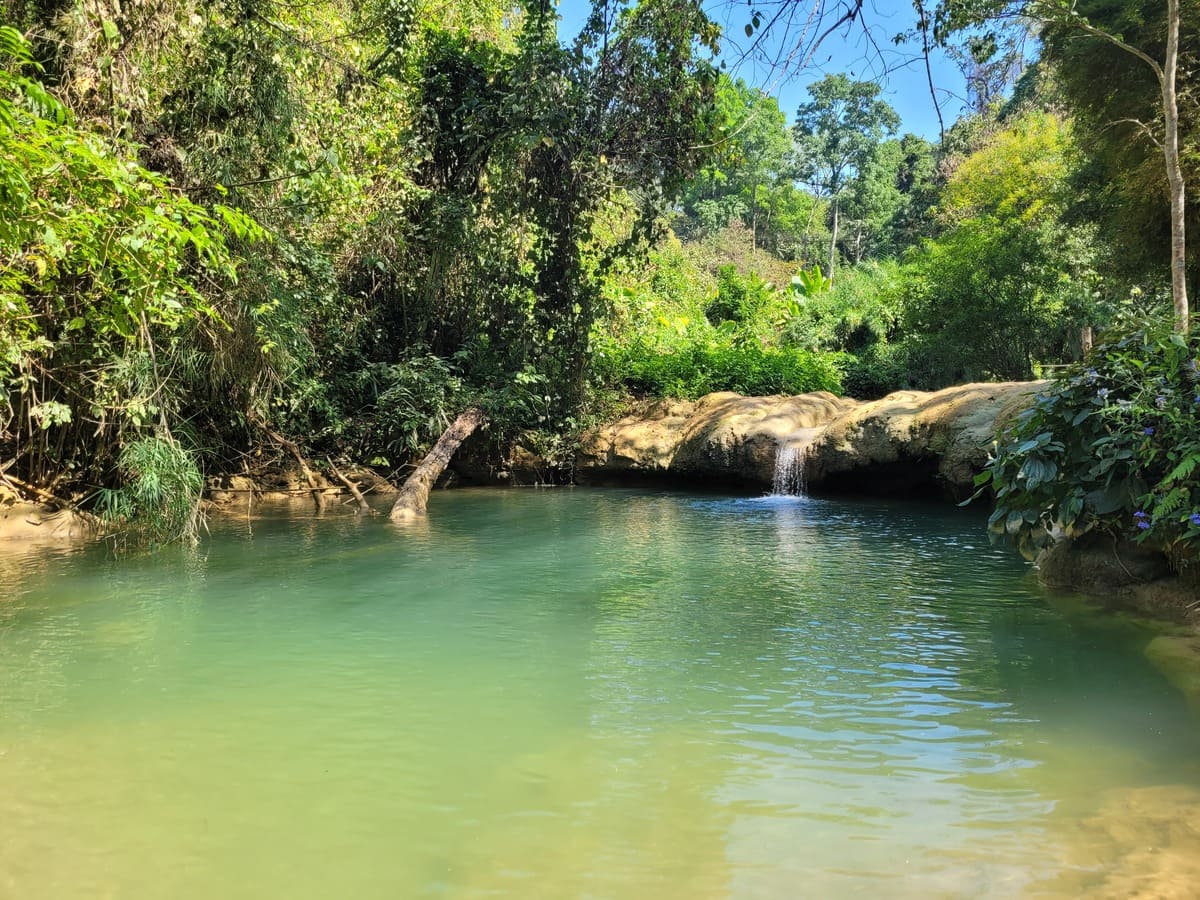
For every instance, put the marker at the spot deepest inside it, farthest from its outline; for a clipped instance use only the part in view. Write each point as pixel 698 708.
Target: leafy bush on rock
pixel 1113 444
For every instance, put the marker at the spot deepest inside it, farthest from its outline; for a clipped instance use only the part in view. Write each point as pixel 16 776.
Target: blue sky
pixel 868 55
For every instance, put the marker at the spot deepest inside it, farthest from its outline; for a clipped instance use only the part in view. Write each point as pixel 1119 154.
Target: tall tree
pixel 1007 283
pixel 753 155
pixel 524 151
pixel 837 133
pixel 889 202
pixel 1120 26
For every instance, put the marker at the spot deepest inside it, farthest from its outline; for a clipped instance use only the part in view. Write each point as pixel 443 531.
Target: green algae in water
pixel 583 693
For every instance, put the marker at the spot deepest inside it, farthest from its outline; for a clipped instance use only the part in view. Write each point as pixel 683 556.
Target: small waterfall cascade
pixel 790 462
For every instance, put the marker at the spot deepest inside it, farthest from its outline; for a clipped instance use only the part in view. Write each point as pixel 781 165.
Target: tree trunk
pixel 833 239
pixel 754 217
pixel 1174 172
pixel 413 497
pixel 1165 72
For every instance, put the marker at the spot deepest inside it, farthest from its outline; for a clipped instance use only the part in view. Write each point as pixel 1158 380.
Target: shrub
pixel 696 370
pixel 1113 444
pixel 159 498
pixel 878 370
pixel 860 310
pixel 740 299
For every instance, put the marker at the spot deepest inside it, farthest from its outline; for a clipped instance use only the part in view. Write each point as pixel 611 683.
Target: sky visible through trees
pixel 866 51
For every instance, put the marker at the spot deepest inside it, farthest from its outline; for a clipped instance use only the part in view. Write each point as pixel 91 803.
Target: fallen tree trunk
pixel 414 495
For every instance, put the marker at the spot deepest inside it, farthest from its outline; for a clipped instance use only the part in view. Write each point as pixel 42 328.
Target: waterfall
pixel 790 462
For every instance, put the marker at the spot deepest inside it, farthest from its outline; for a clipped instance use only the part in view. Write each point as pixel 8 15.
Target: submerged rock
pixel 1136 576
pixel 1100 564
pixel 1142 842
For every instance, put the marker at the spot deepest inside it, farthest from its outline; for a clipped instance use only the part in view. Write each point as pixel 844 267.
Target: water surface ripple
pixel 578 693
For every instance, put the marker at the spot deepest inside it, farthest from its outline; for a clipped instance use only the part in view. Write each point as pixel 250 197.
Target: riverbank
pixel 928 445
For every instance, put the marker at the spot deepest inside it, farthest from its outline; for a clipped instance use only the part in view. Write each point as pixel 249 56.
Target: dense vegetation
pixel 227 224
pixel 235 231
pixel 1118 438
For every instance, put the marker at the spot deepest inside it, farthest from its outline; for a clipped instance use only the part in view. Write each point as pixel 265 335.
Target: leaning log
pixel 414 495
pixel 364 508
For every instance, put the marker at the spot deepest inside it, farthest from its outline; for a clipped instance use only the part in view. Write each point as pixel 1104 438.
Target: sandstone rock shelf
pixel 908 442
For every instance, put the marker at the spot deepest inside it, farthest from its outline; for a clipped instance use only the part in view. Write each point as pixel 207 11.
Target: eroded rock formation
pixel 912 439
pixel 908 441
pixel 723 437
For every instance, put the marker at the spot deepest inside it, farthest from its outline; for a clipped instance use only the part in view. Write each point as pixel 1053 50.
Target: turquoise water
pixel 574 693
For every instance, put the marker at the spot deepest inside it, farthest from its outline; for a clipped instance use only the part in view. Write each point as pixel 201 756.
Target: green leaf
pixel 1110 499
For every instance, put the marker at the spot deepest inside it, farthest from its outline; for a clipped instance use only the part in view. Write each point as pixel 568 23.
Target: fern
pixel 1184 470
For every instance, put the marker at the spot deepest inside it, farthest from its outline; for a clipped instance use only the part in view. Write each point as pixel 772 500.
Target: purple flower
pixel 1148 431
pixel 1194 518
pixel 1140 514
pixel 1102 393
pixel 1160 401
pixel 1142 524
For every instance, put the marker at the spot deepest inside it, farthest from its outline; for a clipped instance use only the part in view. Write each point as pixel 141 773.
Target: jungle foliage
pixel 1113 445
pixel 228 222
pixel 233 230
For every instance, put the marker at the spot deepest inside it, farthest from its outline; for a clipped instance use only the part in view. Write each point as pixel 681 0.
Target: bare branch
pixel 1143 127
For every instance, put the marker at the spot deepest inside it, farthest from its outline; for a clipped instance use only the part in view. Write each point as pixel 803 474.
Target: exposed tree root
pixel 314 486
pixel 363 507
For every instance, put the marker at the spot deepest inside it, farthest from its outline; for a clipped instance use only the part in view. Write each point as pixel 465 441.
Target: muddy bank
pixel 277 485
pixel 26 524
pixel 41 523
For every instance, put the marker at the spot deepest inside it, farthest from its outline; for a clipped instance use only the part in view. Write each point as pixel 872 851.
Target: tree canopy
pixel 838 132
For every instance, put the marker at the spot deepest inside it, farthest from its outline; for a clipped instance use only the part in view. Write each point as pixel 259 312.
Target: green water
pixel 575 693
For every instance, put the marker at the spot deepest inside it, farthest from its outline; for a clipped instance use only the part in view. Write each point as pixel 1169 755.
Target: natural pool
pixel 573 693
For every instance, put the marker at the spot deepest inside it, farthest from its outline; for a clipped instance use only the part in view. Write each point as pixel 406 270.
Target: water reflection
pixel 575 693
